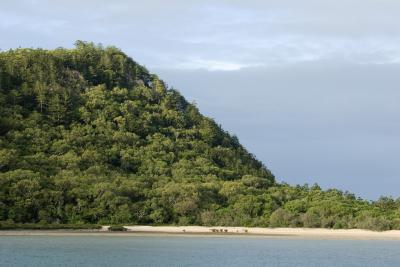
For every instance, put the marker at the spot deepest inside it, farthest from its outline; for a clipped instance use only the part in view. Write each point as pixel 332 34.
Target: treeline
pixel 10 225
pixel 88 136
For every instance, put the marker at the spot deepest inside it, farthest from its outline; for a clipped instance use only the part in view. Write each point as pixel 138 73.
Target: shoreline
pixel 203 231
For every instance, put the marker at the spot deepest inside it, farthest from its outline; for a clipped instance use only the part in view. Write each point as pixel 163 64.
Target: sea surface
pixel 193 251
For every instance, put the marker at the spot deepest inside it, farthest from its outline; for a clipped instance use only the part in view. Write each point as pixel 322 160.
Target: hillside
pixel 89 136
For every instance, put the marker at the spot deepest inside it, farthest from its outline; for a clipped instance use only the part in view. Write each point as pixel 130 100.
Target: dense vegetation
pixel 88 136
pixel 10 225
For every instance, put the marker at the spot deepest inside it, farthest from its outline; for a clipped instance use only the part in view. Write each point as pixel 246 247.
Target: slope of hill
pixel 89 136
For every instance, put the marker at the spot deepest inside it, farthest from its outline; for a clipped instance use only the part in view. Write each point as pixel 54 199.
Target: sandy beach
pixel 305 233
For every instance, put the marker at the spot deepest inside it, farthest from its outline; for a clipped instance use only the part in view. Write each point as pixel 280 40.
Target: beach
pixel 305 233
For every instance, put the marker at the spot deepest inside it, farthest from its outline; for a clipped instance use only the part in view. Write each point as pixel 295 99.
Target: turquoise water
pixel 194 251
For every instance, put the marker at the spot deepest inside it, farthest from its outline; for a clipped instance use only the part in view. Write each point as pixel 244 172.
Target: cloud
pixel 213 35
pixel 211 65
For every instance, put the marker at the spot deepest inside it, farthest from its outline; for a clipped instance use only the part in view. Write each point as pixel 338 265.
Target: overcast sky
pixel 311 87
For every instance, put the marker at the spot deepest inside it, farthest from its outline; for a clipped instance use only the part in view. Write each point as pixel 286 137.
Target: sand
pixel 273 232
pixel 304 233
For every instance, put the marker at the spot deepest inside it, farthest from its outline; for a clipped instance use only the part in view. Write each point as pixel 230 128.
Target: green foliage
pixel 88 136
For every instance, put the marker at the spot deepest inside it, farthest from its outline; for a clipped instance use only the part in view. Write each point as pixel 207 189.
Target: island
pixel 88 137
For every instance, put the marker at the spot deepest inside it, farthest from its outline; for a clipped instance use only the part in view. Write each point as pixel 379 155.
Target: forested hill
pixel 89 136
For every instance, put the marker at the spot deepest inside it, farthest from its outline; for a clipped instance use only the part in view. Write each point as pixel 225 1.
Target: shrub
pixel 311 219
pixel 117 228
pixel 374 223
pixel 280 218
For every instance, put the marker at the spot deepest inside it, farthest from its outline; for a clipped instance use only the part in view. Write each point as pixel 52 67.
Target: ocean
pixel 164 251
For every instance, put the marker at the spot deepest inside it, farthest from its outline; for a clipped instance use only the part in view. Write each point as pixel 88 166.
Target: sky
pixel 310 87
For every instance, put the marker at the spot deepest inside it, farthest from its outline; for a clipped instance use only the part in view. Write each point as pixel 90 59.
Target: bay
pixel 193 251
